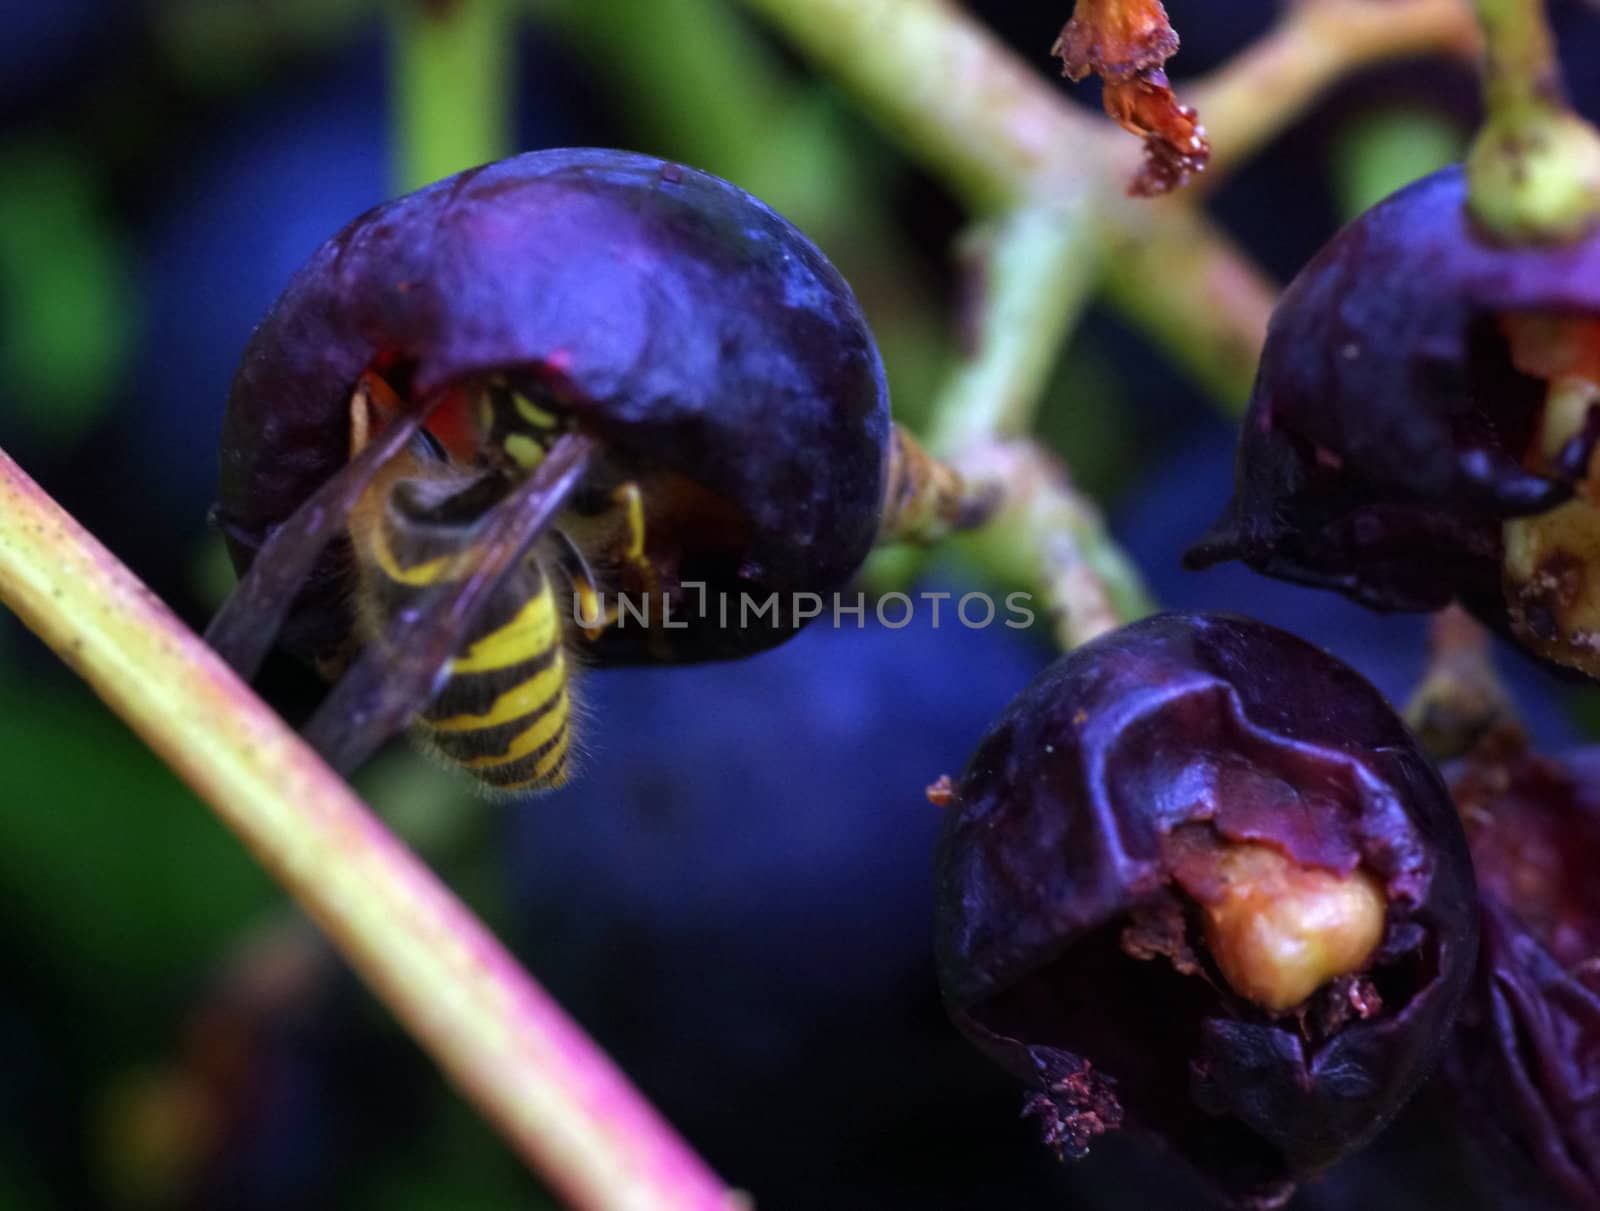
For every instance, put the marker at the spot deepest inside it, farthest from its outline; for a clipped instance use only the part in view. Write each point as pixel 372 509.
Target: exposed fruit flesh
pixel 1552 561
pixel 1277 930
pixel 1281 932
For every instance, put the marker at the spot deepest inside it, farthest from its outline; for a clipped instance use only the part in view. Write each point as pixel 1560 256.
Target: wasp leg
pixel 629 496
pixel 588 613
pixel 926 498
pixel 244 629
pixel 400 673
pixel 593 619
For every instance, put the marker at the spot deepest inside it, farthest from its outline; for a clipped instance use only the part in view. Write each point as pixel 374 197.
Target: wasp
pixel 482 408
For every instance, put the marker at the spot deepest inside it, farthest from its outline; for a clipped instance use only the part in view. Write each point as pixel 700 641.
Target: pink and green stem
pixel 500 1038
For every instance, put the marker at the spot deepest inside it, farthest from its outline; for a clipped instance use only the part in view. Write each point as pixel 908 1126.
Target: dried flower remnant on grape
pixel 1115 38
pixel 1127 43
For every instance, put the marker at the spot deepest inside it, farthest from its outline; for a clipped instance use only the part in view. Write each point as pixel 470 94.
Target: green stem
pixel 1460 698
pixel 506 1045
pixel 1031 274
pixel 1522 75
pixel 1200 299
pixel 1049 538
pixel 1534 170
pixel 1272 83
pixel 1005 137
pixel 454 86
pixel 944 88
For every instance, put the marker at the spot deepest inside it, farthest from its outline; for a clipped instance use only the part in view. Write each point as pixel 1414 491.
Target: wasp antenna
pixel 574 553
pixel 398 675
pixel 244 629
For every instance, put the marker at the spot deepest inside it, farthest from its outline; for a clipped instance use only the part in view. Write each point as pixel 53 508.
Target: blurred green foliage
pixel 68 307
pixel 1385 149
pixel 460 1167
pixel 236 45
pixel 19 1191
pixel 110 865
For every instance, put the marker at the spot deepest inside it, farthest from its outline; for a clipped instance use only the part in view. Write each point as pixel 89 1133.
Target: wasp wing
pixel 398 674
pixel 246 626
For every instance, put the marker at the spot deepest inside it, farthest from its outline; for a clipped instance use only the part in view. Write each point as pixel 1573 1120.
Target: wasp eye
pixel 1200 880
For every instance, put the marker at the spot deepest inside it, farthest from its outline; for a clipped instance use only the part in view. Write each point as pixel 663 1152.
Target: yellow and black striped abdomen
pixel 504 713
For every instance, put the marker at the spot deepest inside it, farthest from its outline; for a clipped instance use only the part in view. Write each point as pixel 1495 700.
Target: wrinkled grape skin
pixel 1056 839
pixel 1382 447
pixel 680 319
pixel 1525 1062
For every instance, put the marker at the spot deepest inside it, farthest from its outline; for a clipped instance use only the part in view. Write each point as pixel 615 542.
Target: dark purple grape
pixel 1421 390
pixel 692 330
pixel 1200 879
pixel 1526 1060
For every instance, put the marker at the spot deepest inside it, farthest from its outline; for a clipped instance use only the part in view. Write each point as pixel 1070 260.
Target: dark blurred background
pixel 734 896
